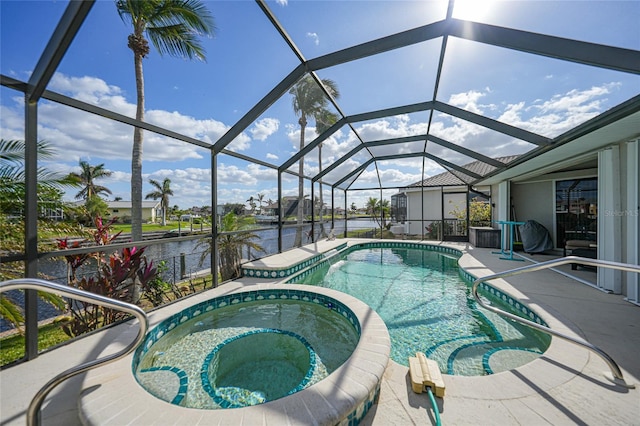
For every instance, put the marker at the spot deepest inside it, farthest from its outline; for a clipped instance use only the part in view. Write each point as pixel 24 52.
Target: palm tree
pixel 12 196
pixel 86 178
pixel 252 204
pixel 371 206
pixel 12 176
pixel 260 202
pixel 230 246
pixel 162 192
pixel 376 208
pixel 173 27
pixel 310 101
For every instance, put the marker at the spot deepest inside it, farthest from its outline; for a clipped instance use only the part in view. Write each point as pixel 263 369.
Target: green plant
pixel 231 244
pixel 310 101
pixel 157 287
pixel 12 225
pixel 162 192
pixel 173 26
pixel 121 275
pixel 479 213
pixel 377 208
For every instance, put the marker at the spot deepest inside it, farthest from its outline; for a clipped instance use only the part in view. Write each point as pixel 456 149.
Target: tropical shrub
pixel 231 244
pixel 122 275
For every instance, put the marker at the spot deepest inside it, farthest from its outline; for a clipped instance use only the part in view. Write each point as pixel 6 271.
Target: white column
pixel 504 206
pixel 632 219
pixel 609 218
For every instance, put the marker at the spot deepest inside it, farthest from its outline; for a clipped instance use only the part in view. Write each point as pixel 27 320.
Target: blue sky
pixel 247 57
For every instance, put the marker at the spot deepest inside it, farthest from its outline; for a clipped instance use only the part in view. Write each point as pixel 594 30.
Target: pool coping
pixel 342 398
pixel 564 386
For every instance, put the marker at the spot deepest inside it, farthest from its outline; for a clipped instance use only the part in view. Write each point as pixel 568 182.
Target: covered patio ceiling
pixel 441 65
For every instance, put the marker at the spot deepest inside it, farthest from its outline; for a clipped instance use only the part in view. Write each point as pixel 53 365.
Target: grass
pixel 12 347
pixel 156 227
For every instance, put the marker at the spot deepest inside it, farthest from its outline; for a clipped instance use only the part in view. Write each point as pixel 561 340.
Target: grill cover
pixel 535 237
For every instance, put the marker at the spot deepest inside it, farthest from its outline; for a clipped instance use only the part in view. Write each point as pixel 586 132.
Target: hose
pixel 435 407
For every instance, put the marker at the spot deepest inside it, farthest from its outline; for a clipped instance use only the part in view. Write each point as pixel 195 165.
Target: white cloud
pixel 230 174
pixel 467 100
pixel 264 128
pixel 561 112
pixel 242 142
pixel 314 37
pixel 76 134
pixel 282 2
pixel 74 131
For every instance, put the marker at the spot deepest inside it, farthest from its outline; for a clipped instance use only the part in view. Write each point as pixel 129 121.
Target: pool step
pixel 445 350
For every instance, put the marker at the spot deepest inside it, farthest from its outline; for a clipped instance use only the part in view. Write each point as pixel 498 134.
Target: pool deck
pixel 564 386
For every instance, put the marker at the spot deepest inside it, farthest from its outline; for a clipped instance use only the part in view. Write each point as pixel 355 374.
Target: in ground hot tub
pixel 259 366
pixel 285 348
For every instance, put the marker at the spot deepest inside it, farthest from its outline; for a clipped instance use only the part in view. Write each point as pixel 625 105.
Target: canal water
pixel 182 259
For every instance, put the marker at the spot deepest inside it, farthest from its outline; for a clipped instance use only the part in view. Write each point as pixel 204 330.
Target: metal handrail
pixel 613 366
pixel 33 412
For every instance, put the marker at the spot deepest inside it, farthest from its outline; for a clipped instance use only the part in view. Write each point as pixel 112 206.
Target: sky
pixel 247 57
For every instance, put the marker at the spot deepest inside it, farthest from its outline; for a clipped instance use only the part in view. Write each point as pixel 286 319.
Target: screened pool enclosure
pixel 386 119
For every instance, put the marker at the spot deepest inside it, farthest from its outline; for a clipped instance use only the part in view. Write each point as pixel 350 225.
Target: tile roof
pixel 458 178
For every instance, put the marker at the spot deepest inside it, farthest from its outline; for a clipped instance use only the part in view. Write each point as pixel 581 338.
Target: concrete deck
pixel 564 386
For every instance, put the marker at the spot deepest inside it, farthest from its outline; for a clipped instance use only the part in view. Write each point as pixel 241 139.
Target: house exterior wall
pixel 432 209
pixel 148 214
pixel 534 201
pixel 630 185
pixel 452 202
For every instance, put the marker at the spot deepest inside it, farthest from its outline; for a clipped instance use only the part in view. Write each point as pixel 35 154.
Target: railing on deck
pixel 617 376
pixel 33 412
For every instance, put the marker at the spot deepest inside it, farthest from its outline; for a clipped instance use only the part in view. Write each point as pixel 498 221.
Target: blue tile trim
pixel 484 288
pixel 182 376
pixel 455 353
pixel 487 355
pixel 435 347
pixel 224 403
pixel 232 299
pixel 520 308
pixel 378 244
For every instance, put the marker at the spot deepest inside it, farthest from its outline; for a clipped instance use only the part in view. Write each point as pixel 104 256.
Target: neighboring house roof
pixel 459 178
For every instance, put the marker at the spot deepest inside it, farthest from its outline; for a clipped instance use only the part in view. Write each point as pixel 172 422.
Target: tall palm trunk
pixel 321 219
pixel 136 155
pixel 300 218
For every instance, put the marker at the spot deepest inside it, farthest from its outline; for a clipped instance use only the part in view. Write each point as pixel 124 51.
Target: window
pixel 576 210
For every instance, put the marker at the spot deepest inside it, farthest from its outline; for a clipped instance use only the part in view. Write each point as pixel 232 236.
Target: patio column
pixel 609 218
pixel 632 219
pixel 503 207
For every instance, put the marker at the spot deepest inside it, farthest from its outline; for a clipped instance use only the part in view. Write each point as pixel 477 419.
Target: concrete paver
pixel 565 386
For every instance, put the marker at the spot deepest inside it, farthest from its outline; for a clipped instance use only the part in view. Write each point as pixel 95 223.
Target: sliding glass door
pixel 576 210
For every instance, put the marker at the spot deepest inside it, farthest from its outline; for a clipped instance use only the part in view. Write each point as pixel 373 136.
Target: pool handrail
pixel 33 412
pixel 616 373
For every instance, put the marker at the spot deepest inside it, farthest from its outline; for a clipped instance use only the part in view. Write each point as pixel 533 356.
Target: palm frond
pixel 10 312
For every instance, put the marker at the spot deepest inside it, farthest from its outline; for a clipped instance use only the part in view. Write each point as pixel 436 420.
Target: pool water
pixel 246 354
pixel 429 308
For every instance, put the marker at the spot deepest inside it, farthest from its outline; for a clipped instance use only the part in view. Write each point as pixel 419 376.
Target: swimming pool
pixel 427 305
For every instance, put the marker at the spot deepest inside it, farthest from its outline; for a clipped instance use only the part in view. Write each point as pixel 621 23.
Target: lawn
pixel 12 348
pixel 156 227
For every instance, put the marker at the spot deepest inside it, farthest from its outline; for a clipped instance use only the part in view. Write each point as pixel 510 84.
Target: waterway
pixel 182 258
